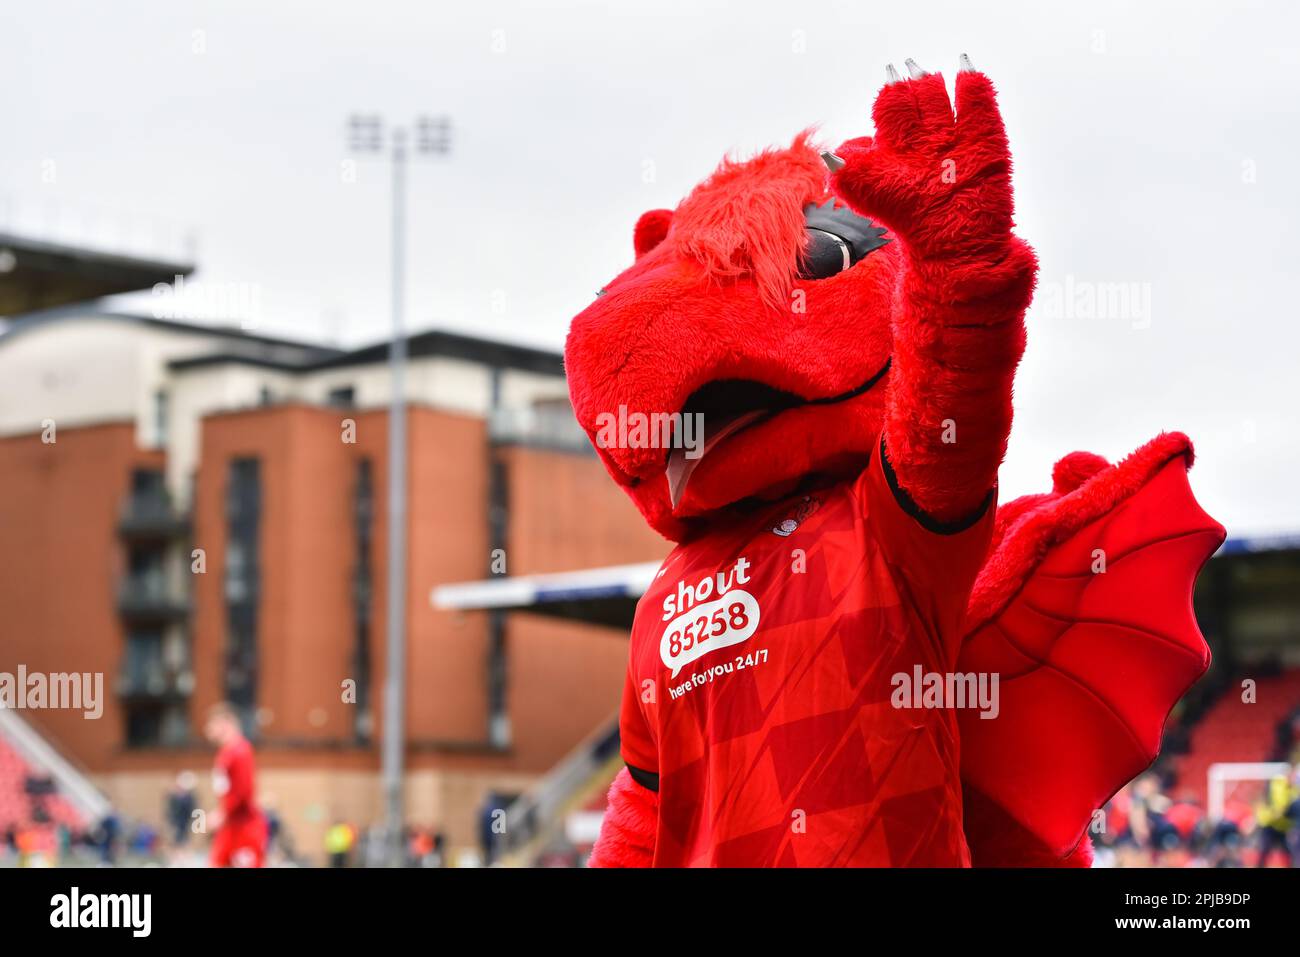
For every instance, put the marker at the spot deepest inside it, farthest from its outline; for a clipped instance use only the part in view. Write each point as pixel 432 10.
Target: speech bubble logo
pixel 725 621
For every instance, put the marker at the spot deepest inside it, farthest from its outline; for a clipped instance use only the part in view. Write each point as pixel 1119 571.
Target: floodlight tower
pixel 366 135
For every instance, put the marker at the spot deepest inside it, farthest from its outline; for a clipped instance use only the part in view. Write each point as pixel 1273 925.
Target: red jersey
pixel 241 839
pixel 232 779
pixel 762 696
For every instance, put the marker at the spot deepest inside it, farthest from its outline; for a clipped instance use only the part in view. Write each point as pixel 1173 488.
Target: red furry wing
pixel 627 835
pixel 1084 612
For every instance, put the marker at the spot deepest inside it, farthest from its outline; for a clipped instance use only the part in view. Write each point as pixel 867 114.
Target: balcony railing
pixel 150 596
pixel 363 594
pixel 151 514
pixel 541 429
pixel 155 680
pixel 540 808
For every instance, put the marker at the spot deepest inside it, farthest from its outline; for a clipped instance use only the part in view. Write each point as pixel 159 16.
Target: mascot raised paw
pixel 854 656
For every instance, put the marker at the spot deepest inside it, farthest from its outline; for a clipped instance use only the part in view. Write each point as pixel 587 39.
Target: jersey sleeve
pixel 637 742
pixel 935 562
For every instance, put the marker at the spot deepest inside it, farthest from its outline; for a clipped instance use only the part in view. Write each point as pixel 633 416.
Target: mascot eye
pixel 838 238
pixel 825 255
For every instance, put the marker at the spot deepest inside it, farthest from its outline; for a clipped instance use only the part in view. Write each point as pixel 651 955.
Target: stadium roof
pixel 608 595
pixel 431 342
pixel 605 596
pixel 40 275
pixel 246 347
pixel 437 342
pixel 1279 542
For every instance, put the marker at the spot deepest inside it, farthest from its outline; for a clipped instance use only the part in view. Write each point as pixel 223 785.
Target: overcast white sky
pixel 1155 145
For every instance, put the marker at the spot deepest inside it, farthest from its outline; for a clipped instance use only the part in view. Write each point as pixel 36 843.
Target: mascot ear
pixel 650 230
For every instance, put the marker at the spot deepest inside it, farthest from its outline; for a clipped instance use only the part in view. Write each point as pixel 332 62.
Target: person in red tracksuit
pixel 239 829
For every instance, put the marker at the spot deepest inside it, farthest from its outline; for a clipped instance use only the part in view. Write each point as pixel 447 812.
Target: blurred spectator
pixel 1278 817
pixel 1186 816
pixel 425 848
pixel 1151 829
pixel 491 826
pixel 182 801
pixel 1225 838
pixel 142 840
pixel 1286 747
pixel 107 835
pixel 419 843
pixel 340 838
pixel 1144 827
pixel 37 845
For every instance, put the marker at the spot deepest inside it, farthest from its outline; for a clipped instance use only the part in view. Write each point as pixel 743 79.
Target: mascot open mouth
pixel 729 406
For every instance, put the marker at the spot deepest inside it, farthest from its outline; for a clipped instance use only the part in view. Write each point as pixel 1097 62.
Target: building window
pixel 237 572
pixel 144 727
pixel 344 396
pixel 363 514
pixel 148 483
pixel 154 677
pixel 497 676
pixel 160 724
pixel 147 579
pixel 243 519
pixel 160 417
pixel 144 672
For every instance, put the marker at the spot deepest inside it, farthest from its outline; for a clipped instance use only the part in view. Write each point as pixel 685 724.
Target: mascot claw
pixel 916 72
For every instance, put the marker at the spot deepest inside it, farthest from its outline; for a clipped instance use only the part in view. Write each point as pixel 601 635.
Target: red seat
pixel 1234 731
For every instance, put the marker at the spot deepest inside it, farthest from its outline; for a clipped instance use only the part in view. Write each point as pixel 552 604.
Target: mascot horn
pixel 854 656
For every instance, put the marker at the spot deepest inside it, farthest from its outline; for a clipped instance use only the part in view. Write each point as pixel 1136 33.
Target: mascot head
pixel 754 326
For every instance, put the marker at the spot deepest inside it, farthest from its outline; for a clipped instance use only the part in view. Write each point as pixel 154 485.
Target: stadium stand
pixel 1233 730
pixel 536 824
pixel 40 792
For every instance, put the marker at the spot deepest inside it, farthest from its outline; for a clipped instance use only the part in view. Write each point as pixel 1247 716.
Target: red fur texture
pixel 747 219
pixel 943 185
pixel 651 229
pixel 627 835
pixel 698 307
pixel 918 341
pixel 718 298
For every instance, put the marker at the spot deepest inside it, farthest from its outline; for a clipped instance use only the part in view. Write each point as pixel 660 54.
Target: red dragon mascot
pixel 854 655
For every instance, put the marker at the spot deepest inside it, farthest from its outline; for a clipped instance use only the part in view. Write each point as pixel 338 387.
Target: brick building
pixel 198 514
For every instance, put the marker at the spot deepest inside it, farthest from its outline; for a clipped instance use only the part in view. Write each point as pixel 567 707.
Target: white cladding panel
pixel 88 370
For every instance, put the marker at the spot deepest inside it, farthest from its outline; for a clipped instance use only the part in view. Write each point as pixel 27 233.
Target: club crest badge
pixel 785 528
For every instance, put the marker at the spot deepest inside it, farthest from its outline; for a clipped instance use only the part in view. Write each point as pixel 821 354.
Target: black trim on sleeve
pixel 927 521
pixel 647 779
